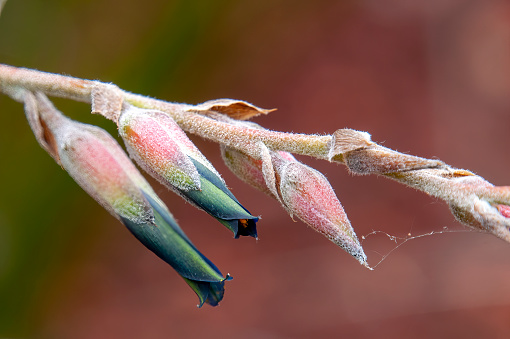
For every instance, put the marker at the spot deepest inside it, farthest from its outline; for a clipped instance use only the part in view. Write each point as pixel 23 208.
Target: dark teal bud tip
pixel 217 200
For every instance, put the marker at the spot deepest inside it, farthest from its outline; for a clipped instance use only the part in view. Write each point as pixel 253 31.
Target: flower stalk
pixel 472 200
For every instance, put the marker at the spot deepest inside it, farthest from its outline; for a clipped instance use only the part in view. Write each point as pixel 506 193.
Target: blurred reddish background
pixel 431 78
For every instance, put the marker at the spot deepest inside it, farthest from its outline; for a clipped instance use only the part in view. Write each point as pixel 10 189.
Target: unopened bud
pixel 162 148
pixel 302 191
pixel 99 165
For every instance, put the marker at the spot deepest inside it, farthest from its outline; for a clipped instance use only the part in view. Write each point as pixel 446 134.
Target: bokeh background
pixel 431 78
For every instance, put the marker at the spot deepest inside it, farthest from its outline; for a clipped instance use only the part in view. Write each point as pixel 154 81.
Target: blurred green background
pixel 429 78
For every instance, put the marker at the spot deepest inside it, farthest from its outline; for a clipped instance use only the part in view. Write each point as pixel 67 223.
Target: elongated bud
pixel 100 166
pixel 159 146
pixel 302 191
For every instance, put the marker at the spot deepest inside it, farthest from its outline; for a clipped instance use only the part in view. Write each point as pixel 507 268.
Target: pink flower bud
pixel 162 148
pixel 307 194
pixel 302 191
pixel 99 165
pixel 246 168
pixel 93 158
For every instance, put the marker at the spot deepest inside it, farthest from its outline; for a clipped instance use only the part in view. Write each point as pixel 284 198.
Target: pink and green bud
pixel 162 148
pixel 302 191
pixel 100 166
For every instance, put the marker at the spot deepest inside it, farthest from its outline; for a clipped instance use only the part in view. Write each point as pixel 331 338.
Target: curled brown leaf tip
pixel 236 109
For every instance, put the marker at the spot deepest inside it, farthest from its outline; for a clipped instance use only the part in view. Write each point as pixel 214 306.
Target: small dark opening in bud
pixel 247 227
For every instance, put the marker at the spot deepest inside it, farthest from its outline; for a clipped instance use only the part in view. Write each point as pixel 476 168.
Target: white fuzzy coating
pixel 93 159
pixel 301 190
pixel 269 173
pixel 163 148
pixel 307 194
pixel 120 189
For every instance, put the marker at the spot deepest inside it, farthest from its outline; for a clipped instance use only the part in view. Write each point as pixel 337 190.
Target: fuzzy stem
pixel 233 136
pixel 236 136
pixel 472 199
pixel 51 84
